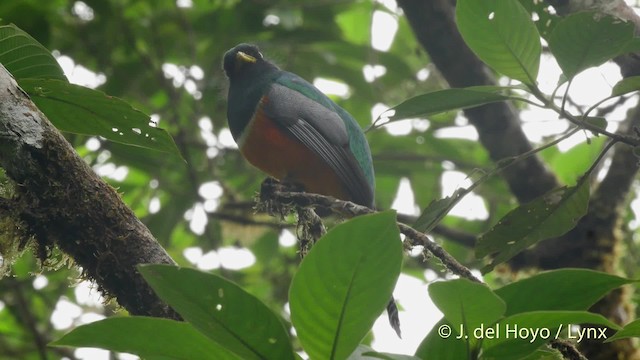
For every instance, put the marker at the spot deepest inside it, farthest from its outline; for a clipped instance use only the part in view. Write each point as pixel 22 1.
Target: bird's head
pixel 243 59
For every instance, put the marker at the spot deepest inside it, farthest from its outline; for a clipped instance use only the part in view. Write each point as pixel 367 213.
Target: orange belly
pixel 266 147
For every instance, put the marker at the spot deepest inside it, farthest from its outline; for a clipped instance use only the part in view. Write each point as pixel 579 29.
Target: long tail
pixel 392 311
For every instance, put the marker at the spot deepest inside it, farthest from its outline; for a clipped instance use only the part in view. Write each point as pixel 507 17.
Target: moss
pixel 13 235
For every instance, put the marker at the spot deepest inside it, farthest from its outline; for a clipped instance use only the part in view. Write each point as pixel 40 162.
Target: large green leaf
pixel 521 334
pixel 446 100
pixel 146 337
pixel 548 216
pixel 443 343
pixel 24 57
pixel 222 311
pixel 344 283
pixel 81 110
pixel 467 305
pixel 587 39
pixel 564 289
pixel 502 34
pixel 364 352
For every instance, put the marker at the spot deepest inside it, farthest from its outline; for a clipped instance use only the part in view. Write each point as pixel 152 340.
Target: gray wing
pixel 321 130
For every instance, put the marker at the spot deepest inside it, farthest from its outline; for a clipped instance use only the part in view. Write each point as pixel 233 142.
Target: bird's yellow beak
pixel 245 57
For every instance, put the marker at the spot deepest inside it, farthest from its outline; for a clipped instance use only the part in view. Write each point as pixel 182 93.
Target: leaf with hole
pixel 502 34
pixel 586 39
pixel 221 310
pixel 81 110
pixel 548 216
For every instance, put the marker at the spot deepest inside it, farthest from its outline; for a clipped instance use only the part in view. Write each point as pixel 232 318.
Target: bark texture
pixel 64 203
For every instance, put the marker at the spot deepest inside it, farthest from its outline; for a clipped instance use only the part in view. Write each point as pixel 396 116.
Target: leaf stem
pixel 578 121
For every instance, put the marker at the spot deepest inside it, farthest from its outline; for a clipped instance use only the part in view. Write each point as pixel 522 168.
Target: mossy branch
pixel 67 205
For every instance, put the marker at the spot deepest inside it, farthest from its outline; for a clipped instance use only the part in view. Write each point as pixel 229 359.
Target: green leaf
pixel 569 165
pixel 502 34
pixel 466 305
pixel 436 211
pixel 344 283
pixel 222 311
pixel 585 39
pixel 24 57
pixel 598 121
pixel 546 217
pixel 146 337
pixel 626 86
pixel 364 352
pixel 564 289
pixel 521 334
pixel 632 329
pixel 442 343
pixel 544 353
pixel 81 110
pixel 445 100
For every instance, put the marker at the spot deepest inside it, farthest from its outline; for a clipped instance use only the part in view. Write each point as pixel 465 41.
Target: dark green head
pixel 249 76
pixel 246 62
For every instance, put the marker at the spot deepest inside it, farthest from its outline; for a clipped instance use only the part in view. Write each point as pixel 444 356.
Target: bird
pixel 289 129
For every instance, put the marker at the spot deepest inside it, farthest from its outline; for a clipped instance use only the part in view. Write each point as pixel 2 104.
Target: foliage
pixel 154 54
pixel 333 302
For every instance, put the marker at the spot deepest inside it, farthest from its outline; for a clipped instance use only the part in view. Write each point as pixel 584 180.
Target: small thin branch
pixel 579 120
pixel 454 235
pixel 242 220
pixel 417 238
pixel 503 164
pixel 567 349
pixel 602 154
pixel 498 125
pixel 273 191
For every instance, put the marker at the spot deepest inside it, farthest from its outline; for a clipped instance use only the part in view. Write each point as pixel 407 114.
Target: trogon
pixel 289 129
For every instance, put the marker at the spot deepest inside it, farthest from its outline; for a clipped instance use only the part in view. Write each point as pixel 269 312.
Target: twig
pixel 567 349
pixel 245 220
pixel 454 235
pixel 274 192
pixel 580 120
pixel 417 238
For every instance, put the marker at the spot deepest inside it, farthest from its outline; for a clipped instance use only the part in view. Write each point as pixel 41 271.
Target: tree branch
pixel 64 203
pixel 275 192
pixel 497 124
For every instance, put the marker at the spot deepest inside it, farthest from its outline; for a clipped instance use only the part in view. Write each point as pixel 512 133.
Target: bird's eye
pixel 260 55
